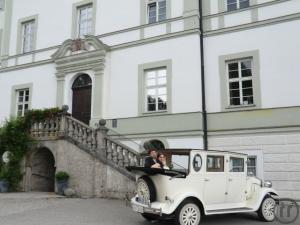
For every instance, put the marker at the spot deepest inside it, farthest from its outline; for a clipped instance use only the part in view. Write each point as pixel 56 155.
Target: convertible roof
pixel 182 151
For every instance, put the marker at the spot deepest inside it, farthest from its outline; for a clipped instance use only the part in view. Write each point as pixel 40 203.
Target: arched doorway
pixel 154 144
pixel 81 99
pixel 42 171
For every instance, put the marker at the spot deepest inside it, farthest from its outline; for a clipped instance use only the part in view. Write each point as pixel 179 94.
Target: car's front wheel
pixel 188 213
pixel 267 209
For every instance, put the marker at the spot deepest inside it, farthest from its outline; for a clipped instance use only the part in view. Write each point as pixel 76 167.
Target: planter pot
pixel 62 185
pixel 4 186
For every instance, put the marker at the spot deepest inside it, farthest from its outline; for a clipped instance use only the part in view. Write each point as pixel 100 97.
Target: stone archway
pixel 154 144
pixel 42 171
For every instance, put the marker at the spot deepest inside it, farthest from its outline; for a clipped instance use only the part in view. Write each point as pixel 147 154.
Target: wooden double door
pixel 81 101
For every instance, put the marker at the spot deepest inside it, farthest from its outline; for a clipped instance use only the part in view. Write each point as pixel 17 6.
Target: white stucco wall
pixel 186 80
pixel 278 59
pixel 43 92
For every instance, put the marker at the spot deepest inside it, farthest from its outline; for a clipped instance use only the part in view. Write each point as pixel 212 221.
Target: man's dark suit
pixel 149 161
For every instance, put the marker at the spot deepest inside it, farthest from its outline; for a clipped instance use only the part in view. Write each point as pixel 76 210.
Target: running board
pixel 233 210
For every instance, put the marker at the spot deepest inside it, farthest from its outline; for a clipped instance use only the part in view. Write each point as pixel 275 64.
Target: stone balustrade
pixel 94 141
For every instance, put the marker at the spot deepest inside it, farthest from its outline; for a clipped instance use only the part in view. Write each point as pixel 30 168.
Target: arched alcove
pixel 42 171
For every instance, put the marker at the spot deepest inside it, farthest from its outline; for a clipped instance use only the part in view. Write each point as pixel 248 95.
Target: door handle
pixel 206 180
pixel 229 179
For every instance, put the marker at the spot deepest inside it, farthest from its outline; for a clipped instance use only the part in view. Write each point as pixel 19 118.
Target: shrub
pixel 61 175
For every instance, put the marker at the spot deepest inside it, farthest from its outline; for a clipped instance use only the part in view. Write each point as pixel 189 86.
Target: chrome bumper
pixel 140 207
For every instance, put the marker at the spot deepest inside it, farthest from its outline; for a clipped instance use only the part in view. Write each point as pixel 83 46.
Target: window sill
pixel 240 107
pixel 155 113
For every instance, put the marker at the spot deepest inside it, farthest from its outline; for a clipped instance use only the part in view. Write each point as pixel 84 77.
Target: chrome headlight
pixel 267 184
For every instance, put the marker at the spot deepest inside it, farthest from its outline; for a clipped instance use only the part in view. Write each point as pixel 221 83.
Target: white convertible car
pixel 201 183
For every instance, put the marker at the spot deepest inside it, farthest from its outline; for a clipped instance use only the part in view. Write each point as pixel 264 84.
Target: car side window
pixel 197 163
pixel 215 163
pixel 237 164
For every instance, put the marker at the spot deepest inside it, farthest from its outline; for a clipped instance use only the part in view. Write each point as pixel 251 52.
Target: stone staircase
pixel 93 141
pixel 96 142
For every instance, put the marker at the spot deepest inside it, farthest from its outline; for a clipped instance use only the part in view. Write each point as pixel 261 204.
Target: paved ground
pixel 44 209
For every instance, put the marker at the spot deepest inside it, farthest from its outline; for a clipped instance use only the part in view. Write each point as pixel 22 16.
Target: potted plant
pixel 62 179
pixel 4 184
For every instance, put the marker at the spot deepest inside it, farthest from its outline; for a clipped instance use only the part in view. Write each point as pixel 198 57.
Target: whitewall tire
pixel 188 213
pixel 267 210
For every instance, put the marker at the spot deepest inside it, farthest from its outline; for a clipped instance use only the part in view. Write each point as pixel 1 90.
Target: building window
pixel 22 102
pixel 156 90
pixel 237 4
pixel 85 20
pixel 240 82
pixel 252 165
pixel 28 33
pixel 157 11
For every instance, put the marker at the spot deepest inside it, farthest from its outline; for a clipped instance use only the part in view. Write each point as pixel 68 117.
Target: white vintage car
pixel 201 183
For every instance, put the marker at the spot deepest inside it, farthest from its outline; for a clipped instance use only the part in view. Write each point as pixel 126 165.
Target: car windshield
pixel 179 162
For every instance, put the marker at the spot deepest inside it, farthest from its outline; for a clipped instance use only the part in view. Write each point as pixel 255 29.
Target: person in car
pixel 151 161
pixel 162 161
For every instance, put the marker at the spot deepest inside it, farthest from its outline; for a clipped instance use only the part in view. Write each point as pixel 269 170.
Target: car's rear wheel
pixel 146 189
pixel 188 213
pixel 267 209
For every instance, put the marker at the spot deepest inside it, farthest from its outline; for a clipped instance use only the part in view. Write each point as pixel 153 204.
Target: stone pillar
pixel 97 97
pixel 63 122
pixel 60 90
pixel 101 134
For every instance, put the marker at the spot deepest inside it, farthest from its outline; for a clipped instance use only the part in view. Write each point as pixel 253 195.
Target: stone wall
pixel 89 177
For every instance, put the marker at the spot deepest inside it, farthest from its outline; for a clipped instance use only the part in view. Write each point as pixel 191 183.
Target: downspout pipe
pixel 204 113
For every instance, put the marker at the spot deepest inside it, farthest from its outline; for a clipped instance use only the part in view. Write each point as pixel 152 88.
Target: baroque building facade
pixel 137 64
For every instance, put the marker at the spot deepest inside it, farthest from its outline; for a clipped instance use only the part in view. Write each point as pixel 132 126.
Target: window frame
pixel 15 94
pixel 28 38
pixel 155 87
pixel 78 21
pixel 224 83
pixel 156 2
pixel 238 5
pixel 240 80
pixel 22 103
pixel 214 170
pixel 235 157
pixel 142 86
pixel 255 167
pixel 76 15
pixel 20 34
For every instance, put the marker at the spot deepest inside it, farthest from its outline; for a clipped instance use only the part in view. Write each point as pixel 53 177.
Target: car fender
pixel 262 194
pixel 178 199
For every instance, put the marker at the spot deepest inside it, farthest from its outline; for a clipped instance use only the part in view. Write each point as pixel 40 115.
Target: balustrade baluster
pixel 115 153
pixel 120 156
pixel 126 158
pixel 56 126
pixel 89 139
pixel 109 149
pixel 84 136
pixel 94 140
pixel 75 130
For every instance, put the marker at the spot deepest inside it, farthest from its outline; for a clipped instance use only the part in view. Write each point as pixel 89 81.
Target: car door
pixel 236 180
pixel 215 180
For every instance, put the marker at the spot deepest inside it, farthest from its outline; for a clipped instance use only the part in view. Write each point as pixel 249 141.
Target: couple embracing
pixel 156 160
